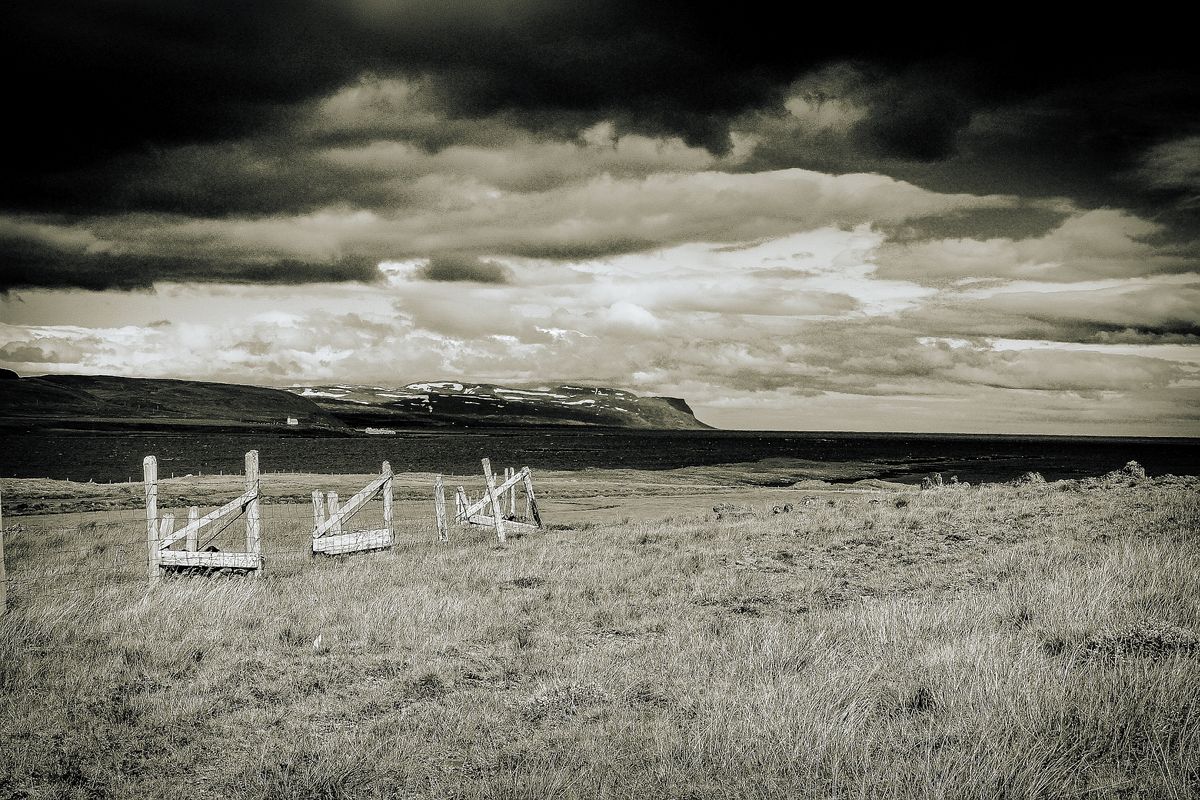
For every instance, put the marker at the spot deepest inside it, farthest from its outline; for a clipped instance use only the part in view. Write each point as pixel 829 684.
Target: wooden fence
pixel 179 547
pixel 161 534
pixel 495 498
pixel 329 521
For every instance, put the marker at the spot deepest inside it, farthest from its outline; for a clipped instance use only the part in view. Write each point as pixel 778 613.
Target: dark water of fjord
pixel 109 457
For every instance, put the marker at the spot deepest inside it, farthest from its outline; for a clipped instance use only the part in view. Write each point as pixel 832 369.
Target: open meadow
pixel 1028 639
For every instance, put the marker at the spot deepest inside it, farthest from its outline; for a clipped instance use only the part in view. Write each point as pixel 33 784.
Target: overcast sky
pixel 848 224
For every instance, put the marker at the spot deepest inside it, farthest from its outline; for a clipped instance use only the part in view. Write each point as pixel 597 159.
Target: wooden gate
pixel 495 498
pixel 161 533
pixel 330 521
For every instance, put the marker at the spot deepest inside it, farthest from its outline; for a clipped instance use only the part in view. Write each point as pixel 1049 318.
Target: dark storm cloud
pixel 30 264
pixel 250 178
pixel 1102 133
pixel 29 354
pixel 916 116
pixel 129 76
pixel 1021 221
pixel 455 267
pixel 98 81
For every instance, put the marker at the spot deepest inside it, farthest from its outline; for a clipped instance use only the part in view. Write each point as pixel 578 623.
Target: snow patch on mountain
pixel 457 404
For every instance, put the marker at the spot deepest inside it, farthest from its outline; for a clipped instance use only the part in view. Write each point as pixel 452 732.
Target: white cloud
pixel 1172 303
pixel 1089 244
pixel 624 317
pixel 602 214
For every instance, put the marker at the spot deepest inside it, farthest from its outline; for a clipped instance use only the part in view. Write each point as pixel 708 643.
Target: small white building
pixel 293 421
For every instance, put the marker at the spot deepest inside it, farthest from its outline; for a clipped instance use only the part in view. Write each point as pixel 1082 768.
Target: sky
pixel 847 222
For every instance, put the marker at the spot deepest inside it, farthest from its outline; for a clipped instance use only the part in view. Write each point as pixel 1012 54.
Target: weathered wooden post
pixel 253 513
pixel 460 505
pixel 439 508
pixel 331 512
pixel 318 514
pixel 166 527
pixel 531 509
pixel 193 534
pixel 150 476
pixel 387 500
pixel 509 474
pixel 497 510
pixel 3 574
pixel 318 508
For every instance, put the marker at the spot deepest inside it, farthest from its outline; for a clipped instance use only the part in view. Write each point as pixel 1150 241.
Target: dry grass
pixel 996 641
pixel 593 486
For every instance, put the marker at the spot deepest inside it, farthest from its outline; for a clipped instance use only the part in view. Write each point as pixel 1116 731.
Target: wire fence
pixel 83 553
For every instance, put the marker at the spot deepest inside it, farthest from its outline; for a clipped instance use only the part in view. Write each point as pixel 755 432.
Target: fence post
pixel 253 514
pixel 166 526
pixel 331 506
pixel 387 500
pixel 193 537
pixel 3 574
pixel 497 510
pixel 318 509
pixel 531 499
pixel 318 517
pixel 460 506
pixel 150 477
pixel 439 507
pixel 509 474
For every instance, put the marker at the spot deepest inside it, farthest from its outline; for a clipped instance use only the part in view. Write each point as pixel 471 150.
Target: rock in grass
pixel 723 510
pixel 1134 470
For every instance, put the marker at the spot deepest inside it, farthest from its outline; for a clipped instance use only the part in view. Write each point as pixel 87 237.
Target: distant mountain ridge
pixel 107 402
pixel 104 402
pixel 457 404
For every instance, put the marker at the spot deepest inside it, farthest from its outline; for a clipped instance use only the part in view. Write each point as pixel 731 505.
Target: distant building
pixel 293 421
pixel 380 431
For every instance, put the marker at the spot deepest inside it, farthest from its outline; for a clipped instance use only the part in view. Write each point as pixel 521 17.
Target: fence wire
pixel 82 554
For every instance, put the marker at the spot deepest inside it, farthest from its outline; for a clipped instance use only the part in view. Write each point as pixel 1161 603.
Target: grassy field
pixel 590 488
pixel 1025 640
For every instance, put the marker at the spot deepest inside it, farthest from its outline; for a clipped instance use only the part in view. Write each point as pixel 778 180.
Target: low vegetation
pixel 589 489
pixel 1026 640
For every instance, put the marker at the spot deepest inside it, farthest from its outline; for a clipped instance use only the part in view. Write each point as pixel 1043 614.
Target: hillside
pixel 108 402
pixel 454 404
pixel 103 402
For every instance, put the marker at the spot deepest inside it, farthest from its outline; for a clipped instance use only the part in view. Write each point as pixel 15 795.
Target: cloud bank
pixel 791 226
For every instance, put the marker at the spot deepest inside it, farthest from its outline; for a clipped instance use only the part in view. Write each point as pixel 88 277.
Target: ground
pixel 1019 640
